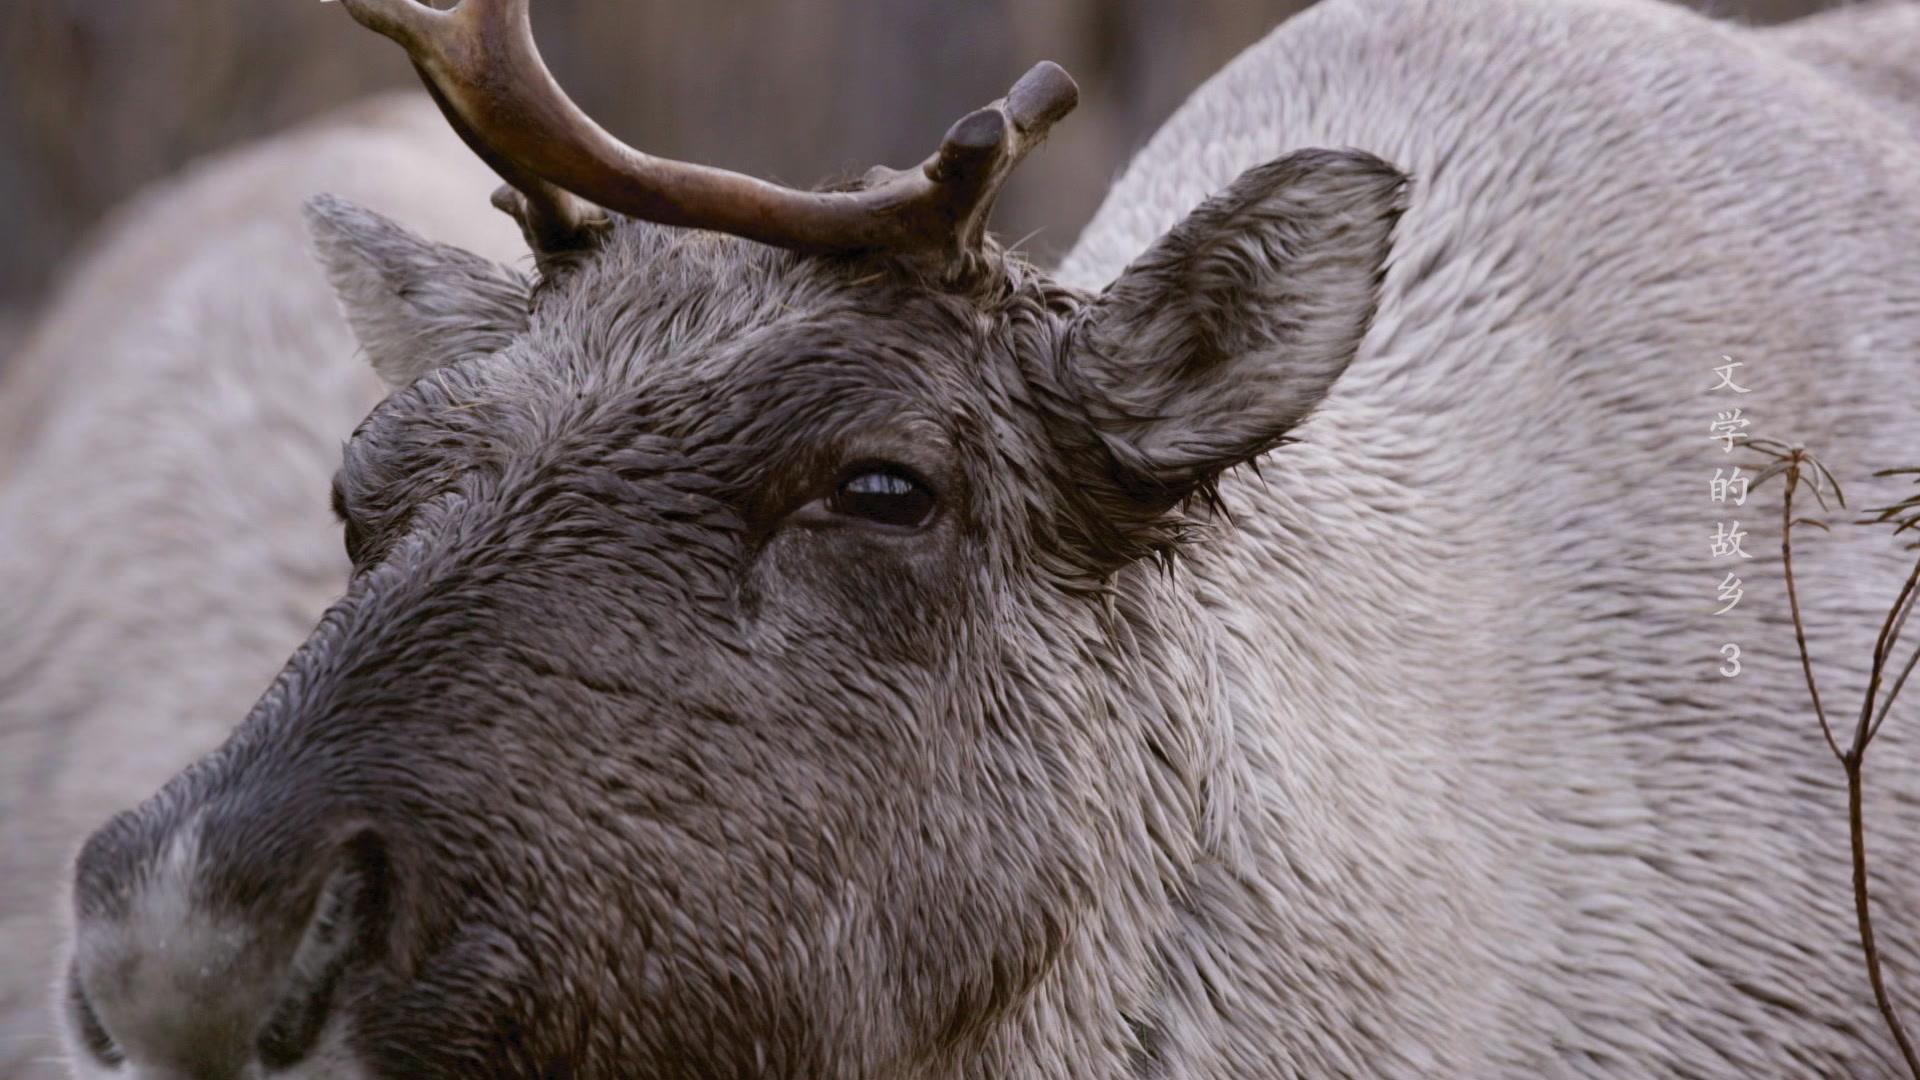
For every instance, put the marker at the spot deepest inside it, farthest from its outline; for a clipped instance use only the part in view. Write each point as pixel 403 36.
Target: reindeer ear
pixel 1209 348
pixel 413 304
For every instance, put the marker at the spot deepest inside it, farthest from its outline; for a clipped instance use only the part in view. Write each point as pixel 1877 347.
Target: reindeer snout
pixel 187 962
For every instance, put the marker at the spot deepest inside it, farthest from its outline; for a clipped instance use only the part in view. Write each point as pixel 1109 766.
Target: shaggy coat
pixel 631 750
pixel 166 436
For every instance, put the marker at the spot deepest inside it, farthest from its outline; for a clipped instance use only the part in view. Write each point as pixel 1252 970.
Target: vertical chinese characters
pixel 1729 429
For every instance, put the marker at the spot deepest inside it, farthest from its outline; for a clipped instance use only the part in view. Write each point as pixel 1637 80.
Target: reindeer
pixel 166 438
pixel 795 636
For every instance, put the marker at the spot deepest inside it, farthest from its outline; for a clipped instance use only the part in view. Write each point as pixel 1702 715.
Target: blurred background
pixel 100 97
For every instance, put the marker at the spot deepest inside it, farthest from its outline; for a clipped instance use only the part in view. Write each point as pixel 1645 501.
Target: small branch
pixel 1793 602
pixel 1788 461
pixel 1893 693
pixel 1857 827
pixel 1889 637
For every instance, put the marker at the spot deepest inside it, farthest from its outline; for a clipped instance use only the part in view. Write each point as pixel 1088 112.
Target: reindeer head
pixel 753 662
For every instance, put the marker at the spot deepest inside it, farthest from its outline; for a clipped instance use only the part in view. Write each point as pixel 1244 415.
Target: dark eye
pixel 885 495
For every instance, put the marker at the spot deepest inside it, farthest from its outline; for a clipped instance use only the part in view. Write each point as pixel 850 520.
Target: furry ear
pixel 1214 344
pixel 413 304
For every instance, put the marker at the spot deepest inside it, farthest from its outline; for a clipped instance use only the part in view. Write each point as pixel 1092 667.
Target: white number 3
pixel 1732 653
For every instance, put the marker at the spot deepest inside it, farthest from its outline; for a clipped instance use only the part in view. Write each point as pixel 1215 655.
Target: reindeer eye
pixel 885 495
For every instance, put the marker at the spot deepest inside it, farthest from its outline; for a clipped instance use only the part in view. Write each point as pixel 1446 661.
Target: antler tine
pixel 443 43
pixel 983 147
pixel 405 21
pixel 481 65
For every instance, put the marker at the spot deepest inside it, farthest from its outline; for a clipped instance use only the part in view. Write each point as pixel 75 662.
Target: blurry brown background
pixel 99 97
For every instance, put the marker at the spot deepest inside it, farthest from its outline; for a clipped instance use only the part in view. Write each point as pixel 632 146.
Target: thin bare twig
pixel 1889 639
pixel 1789 464
pixel 1795 464
pixel 1887 703
pixel 1856 829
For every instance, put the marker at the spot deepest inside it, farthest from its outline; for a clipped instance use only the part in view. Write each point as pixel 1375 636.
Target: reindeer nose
pixel 188 961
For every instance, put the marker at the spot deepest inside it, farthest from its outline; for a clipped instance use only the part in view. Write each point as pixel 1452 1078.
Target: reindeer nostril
pixel 348 918
pixel 99 1042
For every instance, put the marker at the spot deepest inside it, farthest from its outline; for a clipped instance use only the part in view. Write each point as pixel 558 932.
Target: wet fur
pixel 1419 767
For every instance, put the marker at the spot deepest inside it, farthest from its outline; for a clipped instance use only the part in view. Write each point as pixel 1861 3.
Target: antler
pixel 480 64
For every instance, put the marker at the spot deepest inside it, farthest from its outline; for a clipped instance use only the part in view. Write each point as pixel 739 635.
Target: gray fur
pixel 1233 326
pixel 414 305
pixel 166 435
pixel 636 758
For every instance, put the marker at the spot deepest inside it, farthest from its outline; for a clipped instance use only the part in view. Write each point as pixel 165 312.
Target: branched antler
pixel 480 63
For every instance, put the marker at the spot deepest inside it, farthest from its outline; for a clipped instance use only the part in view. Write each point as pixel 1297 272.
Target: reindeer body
pixel 1498 812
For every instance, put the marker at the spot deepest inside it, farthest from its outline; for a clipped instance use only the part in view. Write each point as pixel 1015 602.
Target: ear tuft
pixel 413 304
pixel 1218 341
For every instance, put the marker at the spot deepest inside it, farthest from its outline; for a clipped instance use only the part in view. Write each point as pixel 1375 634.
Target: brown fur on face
pixel 667 766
